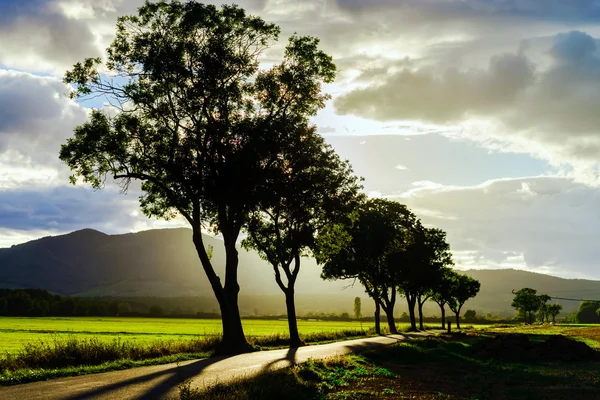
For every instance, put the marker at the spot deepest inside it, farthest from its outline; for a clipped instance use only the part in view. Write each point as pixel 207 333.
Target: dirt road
pixel 163 381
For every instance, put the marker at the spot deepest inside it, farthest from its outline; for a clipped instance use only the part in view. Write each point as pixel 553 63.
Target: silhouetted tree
pixel 470 315
pixel 441 294
pixel 419 267
pixel 199 124
pixel 587 312
pixel 310 187
pixel 527 302
pixel 362 250
pixel 435 259
pixel 543 308
pixel 357 308
pixel 462 289
pixel 554 310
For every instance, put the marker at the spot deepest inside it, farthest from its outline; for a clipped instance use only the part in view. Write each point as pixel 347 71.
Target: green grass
pixel 15 332
pixel 44 348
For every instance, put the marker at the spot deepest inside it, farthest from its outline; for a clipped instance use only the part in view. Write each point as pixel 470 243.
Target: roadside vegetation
pixel 475 364
pixel 67 355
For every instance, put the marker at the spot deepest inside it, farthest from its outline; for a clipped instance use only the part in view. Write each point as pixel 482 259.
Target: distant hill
pixel 164 263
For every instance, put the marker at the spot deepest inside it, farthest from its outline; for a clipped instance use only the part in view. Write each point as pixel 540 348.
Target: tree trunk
pixel 443 309
pixel 234 340
pixel 458 319
pixel 420 315
pixel 291 315
pixel 411 312
pixel 377 314
pixel 389 311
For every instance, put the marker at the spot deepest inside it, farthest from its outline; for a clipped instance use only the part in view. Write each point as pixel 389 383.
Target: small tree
pixel 470 315
pixel 463 288
pixel 553 310
pixel 543 310
pixel 357 308
pixel 527 302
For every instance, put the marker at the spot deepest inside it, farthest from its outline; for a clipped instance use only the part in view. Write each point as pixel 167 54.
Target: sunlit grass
pixel 15 332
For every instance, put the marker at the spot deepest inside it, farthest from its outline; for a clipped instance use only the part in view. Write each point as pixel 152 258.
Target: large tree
pixel 418 268
pixel 310 189
pixel 362 251
pixel 436 258
pixel 463 288
pixel 199 124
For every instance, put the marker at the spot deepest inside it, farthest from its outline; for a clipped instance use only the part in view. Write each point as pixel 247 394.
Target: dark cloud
pixel 36 116
pixel 38 31
pixel 66 209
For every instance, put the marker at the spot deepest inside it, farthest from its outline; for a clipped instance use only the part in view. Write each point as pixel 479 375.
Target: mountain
pixel 164 263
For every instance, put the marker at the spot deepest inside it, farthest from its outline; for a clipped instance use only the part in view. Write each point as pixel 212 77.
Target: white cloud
pixel 401 167
pixel 538 223
pixel 511 105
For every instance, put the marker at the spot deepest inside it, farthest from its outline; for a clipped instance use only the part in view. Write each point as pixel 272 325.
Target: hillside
pixel 163 263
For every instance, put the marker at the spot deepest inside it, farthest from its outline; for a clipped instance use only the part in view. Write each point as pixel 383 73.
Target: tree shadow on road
pixel 290 359
pixel 167 380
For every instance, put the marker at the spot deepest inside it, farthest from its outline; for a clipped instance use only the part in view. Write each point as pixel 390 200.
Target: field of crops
pixel 14 332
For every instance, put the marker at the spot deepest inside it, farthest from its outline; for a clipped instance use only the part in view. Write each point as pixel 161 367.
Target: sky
pixel 483 116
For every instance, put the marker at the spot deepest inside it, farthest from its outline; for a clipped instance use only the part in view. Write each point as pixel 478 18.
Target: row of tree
pixel 529 304
pixel 230 148
pixel 388 250
pixel 40 303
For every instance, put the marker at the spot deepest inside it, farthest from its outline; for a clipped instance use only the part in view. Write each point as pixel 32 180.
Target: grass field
pixel 15 332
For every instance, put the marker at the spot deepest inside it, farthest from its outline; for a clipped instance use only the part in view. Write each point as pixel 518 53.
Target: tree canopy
pixel 198 122
pixel 310 189
pixel 361 250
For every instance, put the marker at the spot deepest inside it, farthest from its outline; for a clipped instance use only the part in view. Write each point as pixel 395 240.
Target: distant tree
pixel 310 188
pixel 527 302
pixel 199 124
pixel 470 315
pixel 543 308
pixel 124 308
pixel 462 289
pixel 357 308
pixel 553 310
pixel 156 311
pixel 587 312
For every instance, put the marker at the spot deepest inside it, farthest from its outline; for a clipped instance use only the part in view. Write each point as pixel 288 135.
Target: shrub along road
pixel 163 381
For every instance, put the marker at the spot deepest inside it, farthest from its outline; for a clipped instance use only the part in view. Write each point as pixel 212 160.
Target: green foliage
pixel 470 314
pixel 587 313
pixel 310 380
pixel 462 288
pixel 527 302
